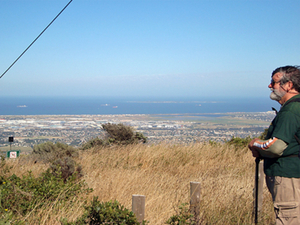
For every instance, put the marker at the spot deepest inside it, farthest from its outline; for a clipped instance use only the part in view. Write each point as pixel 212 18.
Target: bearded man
pixel 281 147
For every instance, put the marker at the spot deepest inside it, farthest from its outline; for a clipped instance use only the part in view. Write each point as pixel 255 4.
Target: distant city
pixel 176 128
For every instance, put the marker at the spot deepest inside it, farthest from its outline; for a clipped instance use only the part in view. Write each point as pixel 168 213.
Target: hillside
pixel 162 173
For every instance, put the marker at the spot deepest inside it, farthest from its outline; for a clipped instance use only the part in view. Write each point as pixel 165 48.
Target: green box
pixel 13 154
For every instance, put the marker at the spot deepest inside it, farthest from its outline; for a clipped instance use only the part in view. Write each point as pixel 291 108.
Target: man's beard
pixel 276 94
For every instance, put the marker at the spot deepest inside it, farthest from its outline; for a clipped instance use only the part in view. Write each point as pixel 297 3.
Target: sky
pixel 147 48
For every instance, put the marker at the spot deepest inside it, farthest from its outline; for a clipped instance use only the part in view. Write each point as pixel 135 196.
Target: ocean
pixel 104 106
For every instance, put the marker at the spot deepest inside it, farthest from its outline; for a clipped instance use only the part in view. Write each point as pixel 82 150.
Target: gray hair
pixel 289 73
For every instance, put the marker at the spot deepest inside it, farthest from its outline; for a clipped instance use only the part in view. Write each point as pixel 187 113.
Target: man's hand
pixel 255 153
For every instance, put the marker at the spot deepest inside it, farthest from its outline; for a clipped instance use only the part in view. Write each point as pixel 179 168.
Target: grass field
pixel 163 174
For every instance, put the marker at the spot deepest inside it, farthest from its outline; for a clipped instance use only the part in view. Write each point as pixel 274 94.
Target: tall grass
pixel 162 173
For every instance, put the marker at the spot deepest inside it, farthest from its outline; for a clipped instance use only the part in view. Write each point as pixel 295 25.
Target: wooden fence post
pixel 138 207
pixel 195 189
pixel 259 190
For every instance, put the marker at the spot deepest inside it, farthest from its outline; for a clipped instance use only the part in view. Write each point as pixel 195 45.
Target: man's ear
pixel 290 85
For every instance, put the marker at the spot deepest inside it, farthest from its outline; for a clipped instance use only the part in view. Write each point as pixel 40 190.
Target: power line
pixel 35 39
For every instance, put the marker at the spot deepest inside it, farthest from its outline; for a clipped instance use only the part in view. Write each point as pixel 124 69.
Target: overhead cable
pixel 35 39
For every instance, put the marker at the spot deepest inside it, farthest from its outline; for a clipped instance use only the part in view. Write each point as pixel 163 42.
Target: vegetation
pixel 66 186
pixel 264 134
pixel 111 212
pixel 93 143
pixel 183 217
pixel 48 151
pixel 160 172
pixel 238 142
pixel 116 134
pixel 22 196
pixel 60 156
pixel 66 168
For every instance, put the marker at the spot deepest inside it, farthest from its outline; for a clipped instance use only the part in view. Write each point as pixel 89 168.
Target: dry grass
pixel 162 173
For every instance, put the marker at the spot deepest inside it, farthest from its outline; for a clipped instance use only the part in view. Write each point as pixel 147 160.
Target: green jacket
pixel 284 126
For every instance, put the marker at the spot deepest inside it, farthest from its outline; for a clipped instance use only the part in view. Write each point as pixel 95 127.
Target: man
pixel 280 149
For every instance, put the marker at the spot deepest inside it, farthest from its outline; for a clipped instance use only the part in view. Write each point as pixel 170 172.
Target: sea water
pixel 114 105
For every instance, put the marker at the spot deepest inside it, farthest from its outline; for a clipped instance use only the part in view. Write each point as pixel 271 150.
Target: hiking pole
pixel 257 160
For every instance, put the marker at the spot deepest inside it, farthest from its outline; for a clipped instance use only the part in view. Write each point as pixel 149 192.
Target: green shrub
pixel 123 134
pixel 105 213
pixel 214 143
pixel 239 142
pixel 140 137
pixel 92 143
pixel 20 196
pixel 243 142
pixel 182 217
pixel 119 134
pixel 66 167
pixel 49 151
